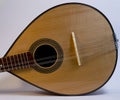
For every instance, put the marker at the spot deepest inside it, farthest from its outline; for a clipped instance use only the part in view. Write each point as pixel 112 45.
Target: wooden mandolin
pixel 70 49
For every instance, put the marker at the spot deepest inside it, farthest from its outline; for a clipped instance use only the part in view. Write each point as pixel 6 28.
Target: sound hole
pixel 45 55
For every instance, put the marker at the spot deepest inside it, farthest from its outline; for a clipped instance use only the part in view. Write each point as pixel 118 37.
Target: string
pixel 33 63
pixel 98 49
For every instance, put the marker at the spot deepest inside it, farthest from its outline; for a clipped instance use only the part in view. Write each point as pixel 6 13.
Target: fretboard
pixel 15 62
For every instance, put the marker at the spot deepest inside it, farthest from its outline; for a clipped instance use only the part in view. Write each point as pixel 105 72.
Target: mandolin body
pixel 96 49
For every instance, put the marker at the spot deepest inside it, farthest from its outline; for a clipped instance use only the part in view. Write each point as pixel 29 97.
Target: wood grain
pixel 95 44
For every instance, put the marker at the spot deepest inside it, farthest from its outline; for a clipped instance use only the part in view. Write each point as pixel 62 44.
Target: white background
pixel 16 15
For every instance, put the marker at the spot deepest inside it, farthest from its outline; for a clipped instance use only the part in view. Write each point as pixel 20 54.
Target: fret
pixel 9 63
pixel 27 60
pixel 22 62
pixel 7 67
pixel 1 65
pixel 14 62
pixel 18 62
pixel 4 64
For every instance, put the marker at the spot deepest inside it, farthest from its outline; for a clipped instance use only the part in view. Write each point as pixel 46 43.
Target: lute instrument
pixel 69 49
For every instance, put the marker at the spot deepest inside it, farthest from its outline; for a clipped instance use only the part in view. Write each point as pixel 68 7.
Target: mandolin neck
pixel 15 62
